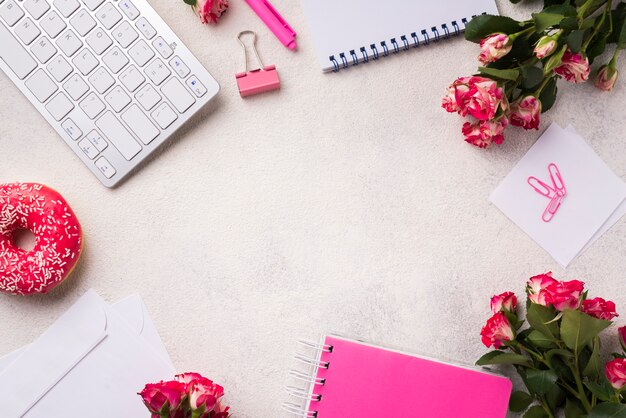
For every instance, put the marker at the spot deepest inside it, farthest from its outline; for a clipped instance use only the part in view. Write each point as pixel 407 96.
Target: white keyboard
pixel 109 75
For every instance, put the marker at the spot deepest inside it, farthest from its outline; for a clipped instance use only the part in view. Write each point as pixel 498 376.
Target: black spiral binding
pixel 362 55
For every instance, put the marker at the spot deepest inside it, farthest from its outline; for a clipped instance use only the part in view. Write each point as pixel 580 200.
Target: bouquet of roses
pixel 190 395
pixel 522 61
pixel 558 356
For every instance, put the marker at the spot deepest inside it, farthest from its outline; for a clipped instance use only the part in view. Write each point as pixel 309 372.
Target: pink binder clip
pixel 556 193
pixel 264 78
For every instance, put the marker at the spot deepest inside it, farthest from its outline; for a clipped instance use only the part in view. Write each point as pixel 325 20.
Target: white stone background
pixel 344 202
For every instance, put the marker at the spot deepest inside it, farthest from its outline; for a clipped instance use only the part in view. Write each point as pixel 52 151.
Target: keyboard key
pixel 36 8
pixel 93 4
pixel 27 31
pixel 99 41
pixel 145 28
pixel 59 68
pixel 179 67
pixel 105 167
pixel 43 50
pixel 88 148
pixel 96 139
pixel 140 125
pixel 162 47
pixel 76 87
pixel 108 16
pixel 53 24
pixel 85 62
pixel 164 115
pixel 141 53
pixel 178 95
pixel 71 129
pixel 117 99
pixel 66 7
pixel 14 54
pixel 118 135
pixel 124 34
pixel 101 80
pixel 115 60
pixel 132 78
pixel 59 106
pixel 148 97
pixel 129 9
pixel 11 12
pixel 157 71
pixel 83 22
pixel 41 85
pixel 92 105
pixel 69 43
pixel 196 86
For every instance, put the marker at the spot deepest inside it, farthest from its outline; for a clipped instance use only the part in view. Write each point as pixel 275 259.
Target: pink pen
pixel 275 22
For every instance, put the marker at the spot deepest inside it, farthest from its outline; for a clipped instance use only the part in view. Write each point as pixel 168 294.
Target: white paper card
pixel 594 193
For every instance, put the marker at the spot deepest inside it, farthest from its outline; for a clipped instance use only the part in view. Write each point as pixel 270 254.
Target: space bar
pixel 115 132
pixel 14 55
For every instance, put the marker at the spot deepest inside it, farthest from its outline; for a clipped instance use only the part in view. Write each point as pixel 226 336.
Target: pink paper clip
pixel 556 193
pixel 264 78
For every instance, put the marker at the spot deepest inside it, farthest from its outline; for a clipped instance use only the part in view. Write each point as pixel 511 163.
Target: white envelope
pixel 89 363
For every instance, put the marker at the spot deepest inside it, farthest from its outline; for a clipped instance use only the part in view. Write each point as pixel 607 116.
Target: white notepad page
pixel 343 25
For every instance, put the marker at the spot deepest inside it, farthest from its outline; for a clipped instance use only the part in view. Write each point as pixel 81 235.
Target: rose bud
pixel 497 331
pixel 204 394
pixel 210 11
pixel 615 371
pixel 163 397
pixel 455 94
pixel 574 67
pixel 565 295
pixel 545 47
pixel 536 288
pixel 599 308
pixel 621 331
pixel 526 112
pixel 607 76
pixel 484 132
pixel 188 378
pixel 506 301
pixel 494 47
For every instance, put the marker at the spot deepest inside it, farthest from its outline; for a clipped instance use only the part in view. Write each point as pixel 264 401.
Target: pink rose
pixel 484 132
pixel 536 288
pixel 574 67
pixel 497 331
pixel 599 308
pixel 606 78
pixel 479 96
pixel 621 331
pixel 616 372
pixel 545 47
pixel 204 393
pixel 565 295
pixel 494 47
pixel 506 301
pixel 211 10
pixel 457 89
pixel 525 112
pixel 189 377
pixel 163 397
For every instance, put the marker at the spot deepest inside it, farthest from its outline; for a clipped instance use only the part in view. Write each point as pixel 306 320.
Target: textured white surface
pixel 344 202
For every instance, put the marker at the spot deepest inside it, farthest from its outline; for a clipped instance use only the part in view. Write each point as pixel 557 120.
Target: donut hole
pixel 24 238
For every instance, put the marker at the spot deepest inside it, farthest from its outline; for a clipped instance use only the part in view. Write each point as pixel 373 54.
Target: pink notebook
pixel 355 379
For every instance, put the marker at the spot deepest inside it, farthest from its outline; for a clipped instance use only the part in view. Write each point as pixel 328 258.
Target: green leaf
pixel 608 410
pixel 540 381
pixel 536 412
pixel 569 23
pixel 604 392
pixel 511 74
pixel 564 9
pixel 531 77
pixel 578 329
pixel 572 409
pixel 575 40
pixel 555 397
pixel 596 48
pixel 540 340
pixel 594 366
pixel 545 20
pixel 520 401
pixel 190 2
pixel 500 357
pixel 538 316
pixel 484 25
pixel 547 99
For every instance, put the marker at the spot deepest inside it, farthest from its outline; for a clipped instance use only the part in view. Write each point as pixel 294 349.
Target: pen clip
pixel 557 180
pixel 541 187
pixel 279 17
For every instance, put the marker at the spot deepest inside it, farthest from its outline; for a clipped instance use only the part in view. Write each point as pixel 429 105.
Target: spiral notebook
pixel 351 32
pixel 350 379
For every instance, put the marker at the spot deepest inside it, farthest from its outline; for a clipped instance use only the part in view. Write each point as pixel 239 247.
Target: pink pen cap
pixel 275 22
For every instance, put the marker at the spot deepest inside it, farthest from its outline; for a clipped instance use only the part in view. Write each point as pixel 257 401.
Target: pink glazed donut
pixel 58 238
